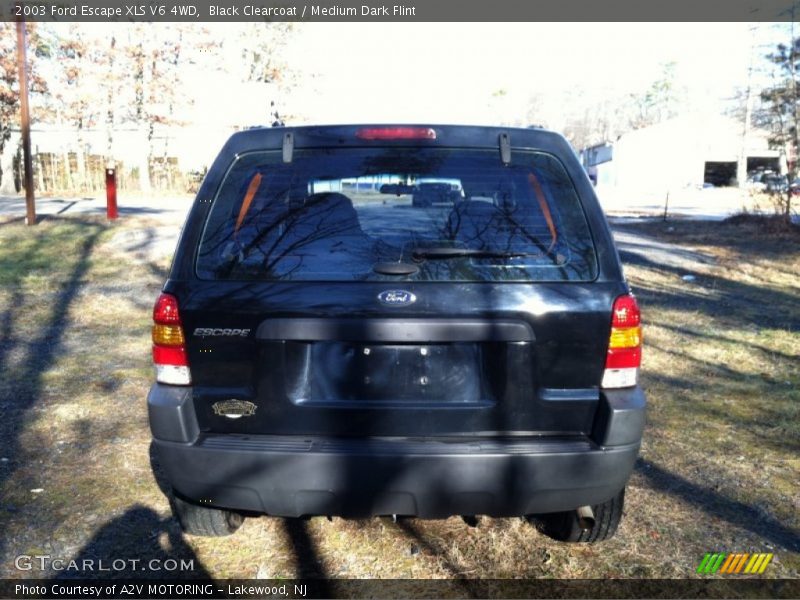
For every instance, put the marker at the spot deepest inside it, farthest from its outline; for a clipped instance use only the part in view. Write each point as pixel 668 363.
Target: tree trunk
pixel 80 160
pixel 144 166
pixel 67 172
pixel 110 158
pixel 40 172
pixel 53 171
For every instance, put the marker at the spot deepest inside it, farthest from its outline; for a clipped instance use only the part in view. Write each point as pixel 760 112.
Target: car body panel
pixel 349 381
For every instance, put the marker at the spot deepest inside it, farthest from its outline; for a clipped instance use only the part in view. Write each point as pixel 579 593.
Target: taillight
pixel 624 344
pixel 169 345
pixel 396 133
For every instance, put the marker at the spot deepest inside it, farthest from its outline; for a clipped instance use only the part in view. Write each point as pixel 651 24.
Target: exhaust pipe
pixel 585 517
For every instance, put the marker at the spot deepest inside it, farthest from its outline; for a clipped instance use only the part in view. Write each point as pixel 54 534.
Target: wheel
pixel 564 527
pixel 204 520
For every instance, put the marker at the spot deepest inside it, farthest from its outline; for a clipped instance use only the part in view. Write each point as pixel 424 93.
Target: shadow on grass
pixel 754 240
pixel 137 544
pixel 717 505
pixel 730 302
pixel 23 383
pixel 158 271
pixel 769 353
pixel 308 562
pixel 12 221
pixel 415 535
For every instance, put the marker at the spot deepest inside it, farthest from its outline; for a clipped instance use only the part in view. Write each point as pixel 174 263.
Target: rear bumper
pixel 369 477
pixel 295 475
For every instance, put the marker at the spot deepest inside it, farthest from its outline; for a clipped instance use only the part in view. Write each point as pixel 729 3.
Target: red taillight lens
pixel 169 349
pixel 165 312
pixel 624 358
pixel 624 355
pixel 166 355
pixel 625 312
pixel 396 133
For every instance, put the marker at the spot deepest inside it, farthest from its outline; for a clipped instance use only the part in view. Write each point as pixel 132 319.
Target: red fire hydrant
pixel 111 194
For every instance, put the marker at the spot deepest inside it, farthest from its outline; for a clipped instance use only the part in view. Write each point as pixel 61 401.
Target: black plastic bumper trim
pixel 365 477
pixel 620 417
pixel 171 413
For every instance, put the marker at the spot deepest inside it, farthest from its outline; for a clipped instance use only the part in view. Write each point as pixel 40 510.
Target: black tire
pixel 564 526
pixel 204 520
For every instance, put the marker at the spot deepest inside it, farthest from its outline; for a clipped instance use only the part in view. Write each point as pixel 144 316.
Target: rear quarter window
pixel 450 214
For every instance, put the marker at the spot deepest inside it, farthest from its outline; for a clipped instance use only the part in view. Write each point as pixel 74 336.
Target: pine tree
pixel 781 111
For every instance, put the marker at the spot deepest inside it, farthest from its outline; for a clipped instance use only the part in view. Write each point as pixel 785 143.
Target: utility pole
pixel 22 68
pixel 741 167
pixel 795 141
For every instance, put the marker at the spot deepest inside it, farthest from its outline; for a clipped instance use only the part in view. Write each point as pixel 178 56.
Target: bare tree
pixel 657 103
pixel 780 111
pixel 263 60
pixel 9 91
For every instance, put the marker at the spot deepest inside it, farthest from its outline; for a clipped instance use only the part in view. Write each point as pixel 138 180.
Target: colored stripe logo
pixel 732 564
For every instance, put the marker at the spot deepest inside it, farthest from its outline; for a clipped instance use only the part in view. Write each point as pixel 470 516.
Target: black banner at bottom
pixel 70 589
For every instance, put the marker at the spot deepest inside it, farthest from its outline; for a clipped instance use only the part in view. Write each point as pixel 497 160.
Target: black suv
pixel 324 346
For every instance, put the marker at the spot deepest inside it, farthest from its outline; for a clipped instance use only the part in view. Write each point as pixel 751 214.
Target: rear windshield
pixel 389 214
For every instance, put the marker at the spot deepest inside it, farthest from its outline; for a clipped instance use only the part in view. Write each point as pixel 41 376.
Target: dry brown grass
pixel 719 466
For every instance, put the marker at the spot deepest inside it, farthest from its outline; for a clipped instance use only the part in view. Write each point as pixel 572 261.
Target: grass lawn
pixel 719 470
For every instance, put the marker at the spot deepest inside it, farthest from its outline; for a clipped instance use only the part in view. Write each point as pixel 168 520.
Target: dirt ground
pixel 718 469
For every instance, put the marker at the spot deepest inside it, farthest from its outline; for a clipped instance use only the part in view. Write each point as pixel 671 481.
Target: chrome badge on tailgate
pixel 396 298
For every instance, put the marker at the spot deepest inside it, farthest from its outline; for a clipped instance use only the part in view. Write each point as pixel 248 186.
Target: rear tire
pixel 204 520
pixel 563 526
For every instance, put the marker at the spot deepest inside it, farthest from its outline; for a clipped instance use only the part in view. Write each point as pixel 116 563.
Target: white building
pixel 682 153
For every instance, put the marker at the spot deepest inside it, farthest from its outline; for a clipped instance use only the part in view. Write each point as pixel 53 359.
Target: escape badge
pixel 234 409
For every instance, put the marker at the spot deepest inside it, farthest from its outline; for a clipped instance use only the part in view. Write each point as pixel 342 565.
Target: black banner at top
pixel 403 11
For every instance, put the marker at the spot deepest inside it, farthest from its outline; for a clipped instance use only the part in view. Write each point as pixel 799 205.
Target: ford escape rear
pixel 381 320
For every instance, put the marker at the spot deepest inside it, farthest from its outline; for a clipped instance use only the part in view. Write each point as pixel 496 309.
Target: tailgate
pixel 415 375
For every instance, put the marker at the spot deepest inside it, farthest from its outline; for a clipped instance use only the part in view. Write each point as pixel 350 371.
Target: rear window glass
pixel 389 214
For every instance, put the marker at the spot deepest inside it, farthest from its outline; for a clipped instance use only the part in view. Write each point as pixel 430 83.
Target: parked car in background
pixel 430 193
pixel 767 181
pixel 471 347
pixel 776 184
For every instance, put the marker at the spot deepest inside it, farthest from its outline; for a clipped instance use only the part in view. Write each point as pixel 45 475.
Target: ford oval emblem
pixel 397 298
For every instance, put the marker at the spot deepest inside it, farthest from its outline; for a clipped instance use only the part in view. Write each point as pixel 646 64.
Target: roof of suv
pixel 312 136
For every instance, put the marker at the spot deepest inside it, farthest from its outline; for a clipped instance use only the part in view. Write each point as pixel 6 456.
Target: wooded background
pixel 121 94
